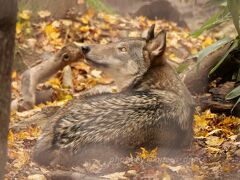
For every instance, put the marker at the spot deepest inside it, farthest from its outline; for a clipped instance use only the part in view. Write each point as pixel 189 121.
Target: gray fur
pixel 154 109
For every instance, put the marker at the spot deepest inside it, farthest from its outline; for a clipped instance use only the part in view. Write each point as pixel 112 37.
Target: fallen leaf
pixel 84 28
pixel 36 177
pixel 19 27
pixel 115 176
pixel 144 154
pixel 214 141
pixel 25 14
pixel 95 73
pixel 10 138
pixel 208 41
pixel 172 168
pixel 44 14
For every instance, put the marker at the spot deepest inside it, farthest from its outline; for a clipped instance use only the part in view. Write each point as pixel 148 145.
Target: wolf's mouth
pixel 95 63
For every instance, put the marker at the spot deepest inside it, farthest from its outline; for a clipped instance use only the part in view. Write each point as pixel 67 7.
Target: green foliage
pixel 222 3
pixel 238 75
pixel 233 7
pixel 235 93
pixel 213 21
pixel 99 5
pixel 233 46
pixel 208 50
pixel 182 67
pixel 230 11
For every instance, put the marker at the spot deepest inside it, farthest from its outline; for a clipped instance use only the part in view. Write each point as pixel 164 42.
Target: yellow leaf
pixel 84 28
pixel 214 141
pixel 18 28
pixel 82 66
pixel 229 121
pixel 51 32
pixel 110 18
pixel 49 29
pixel 22 135
pixel 173 57
pixel 35 132
pixel 208 41
pixel 84 20
pixel 213 149
pixel 25 14
pixel 14 74
pixel 209 115
pixel 200 122
pixel 55 82
pixel 201 37
pixel 28 30
pixel 144 154
pixel 68 97
pixel 105 26
pixel 10 137
pixel 54 35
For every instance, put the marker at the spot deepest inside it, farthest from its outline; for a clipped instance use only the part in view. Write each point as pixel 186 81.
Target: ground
pixel 215 152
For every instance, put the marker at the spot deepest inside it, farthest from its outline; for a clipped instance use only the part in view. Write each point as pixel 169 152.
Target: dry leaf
pixel 172 168
pixel 115 176
pixel 214 141
pixel 44 14
pixel 95 73
pixel 19 27
pixel 25 14
pixel 144 154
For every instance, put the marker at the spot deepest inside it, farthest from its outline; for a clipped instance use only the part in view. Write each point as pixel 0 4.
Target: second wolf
pixel 153 109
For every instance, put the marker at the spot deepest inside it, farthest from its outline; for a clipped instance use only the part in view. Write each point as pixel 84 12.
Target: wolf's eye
pixel 122 49
pixel 66 57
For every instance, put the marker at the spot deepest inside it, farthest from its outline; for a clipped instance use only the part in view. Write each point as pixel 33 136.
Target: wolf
pixel 153 108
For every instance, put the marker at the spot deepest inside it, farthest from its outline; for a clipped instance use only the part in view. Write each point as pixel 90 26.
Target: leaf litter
pixel 215 152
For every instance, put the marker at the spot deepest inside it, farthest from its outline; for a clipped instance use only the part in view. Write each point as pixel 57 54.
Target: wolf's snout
pixel 85 49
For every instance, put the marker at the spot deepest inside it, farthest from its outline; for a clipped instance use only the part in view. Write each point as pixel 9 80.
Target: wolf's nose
pixel 85 49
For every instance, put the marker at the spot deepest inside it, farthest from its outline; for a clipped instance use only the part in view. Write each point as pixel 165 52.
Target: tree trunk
pixel 8 11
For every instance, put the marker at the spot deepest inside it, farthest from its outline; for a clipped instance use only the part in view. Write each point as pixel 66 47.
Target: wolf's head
pixel 127 60
pixel 69 53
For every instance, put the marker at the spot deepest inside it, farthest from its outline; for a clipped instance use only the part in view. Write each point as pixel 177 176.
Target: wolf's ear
pixel 150 33
pixel 157 45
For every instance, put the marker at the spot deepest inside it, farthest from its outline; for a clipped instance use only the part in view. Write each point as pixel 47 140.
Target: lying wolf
pixel 153 109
